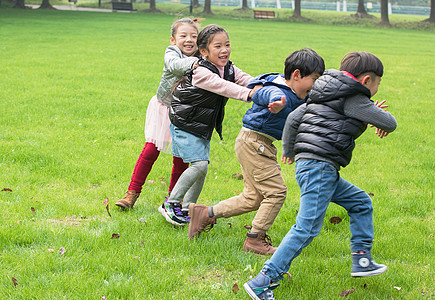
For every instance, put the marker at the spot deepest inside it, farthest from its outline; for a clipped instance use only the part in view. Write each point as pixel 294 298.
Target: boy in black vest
pixel 320 137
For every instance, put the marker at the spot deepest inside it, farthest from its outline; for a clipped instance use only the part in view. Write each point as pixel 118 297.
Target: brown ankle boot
pixel 259 243
pixel 128 200
pixel 200 221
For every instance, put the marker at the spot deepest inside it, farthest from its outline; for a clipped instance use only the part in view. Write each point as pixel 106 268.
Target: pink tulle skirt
pixel 157 125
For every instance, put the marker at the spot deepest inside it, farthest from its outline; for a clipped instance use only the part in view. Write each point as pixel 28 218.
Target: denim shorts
pixel 188 146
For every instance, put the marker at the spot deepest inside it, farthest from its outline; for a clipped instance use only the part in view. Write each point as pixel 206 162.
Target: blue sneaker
pixel 261 288
pixel 363 265
pixel 172 213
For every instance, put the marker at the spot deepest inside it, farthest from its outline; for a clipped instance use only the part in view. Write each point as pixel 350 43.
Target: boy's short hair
pixel 306 60
pixel 358 63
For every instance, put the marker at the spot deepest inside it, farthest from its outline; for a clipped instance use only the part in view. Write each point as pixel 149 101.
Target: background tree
pixel 207 7
pixel 19 4
pixel 153 7
pixel 432 12
pixel 361 11
pixel 297 11
pixel 46 5
pixel 195 3
pixel 244 5
pixel 385 21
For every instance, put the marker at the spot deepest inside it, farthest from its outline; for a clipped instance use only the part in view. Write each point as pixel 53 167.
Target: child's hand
pixel 277 106
pixel 381 133
pixel 252 92
pixel 381 104
pixel 287 160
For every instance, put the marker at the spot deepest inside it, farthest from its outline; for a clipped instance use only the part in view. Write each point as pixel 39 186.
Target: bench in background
pixel 264 14
pixel 128 6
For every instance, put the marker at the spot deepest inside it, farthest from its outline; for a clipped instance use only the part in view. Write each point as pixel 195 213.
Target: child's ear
pixel 172 40
pixel 365 79
pixel 203 52
pixel 296 74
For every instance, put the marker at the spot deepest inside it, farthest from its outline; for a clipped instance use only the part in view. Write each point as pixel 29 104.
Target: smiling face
pixel 219 49
pixel 302 85
pixel 185 39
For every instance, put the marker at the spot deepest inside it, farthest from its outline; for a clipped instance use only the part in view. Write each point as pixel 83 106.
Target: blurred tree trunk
pixel 46 5
pixel 385 21
pixel 245 4
pixel 361 11
pixel 432 12
pixel 207 7
pixel 297 12
pixel 19 4
pixel 153 7
pixel 195 3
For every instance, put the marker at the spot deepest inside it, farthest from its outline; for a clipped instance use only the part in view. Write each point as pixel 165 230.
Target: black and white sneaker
pixel 172 213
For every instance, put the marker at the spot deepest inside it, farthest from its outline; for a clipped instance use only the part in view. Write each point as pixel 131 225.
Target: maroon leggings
pixel 144 164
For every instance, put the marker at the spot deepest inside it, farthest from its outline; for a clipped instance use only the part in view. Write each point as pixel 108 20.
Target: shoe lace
pixel 267 240
pixel 177 210
pixel 209 225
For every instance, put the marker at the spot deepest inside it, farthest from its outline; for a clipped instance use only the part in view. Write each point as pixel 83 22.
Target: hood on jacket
pixel 333 84
pixel 267 79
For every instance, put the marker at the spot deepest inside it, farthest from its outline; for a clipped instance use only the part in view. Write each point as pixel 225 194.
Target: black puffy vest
pixel 196 110
pixel 325 130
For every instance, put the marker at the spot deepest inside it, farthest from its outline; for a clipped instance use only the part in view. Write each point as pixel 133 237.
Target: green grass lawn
pixel 74 88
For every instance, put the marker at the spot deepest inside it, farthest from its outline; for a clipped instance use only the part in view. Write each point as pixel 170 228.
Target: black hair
pixel 306 60
pixel 358 63
pixel 206 35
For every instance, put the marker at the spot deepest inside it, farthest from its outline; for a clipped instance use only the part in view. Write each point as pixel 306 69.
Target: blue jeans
pixel 320 184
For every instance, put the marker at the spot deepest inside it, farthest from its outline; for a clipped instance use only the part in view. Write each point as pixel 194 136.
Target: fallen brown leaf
pixel 14 281
pixel 32 209
pixel 235 288
pixel 6 190
pixel 115 236
pixel 231 225
pixel 346 293
pixel 335 220
pixel 371 194
pixel 237 176
pixel 107 206
pixel 248 226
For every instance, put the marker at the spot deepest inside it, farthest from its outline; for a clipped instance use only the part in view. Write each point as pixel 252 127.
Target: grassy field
pixel 74 88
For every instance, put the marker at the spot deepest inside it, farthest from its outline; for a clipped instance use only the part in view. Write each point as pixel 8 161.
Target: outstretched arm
pixel 381 133
pixel 276 106
pixel 360 107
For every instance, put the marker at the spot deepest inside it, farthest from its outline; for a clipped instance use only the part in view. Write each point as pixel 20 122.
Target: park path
pixel 75 8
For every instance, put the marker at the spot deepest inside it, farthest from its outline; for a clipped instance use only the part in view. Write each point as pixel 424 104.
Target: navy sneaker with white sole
pixel 260 287
pixel 363 265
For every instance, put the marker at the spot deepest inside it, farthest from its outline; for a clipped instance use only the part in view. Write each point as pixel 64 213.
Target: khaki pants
pixel 264 189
